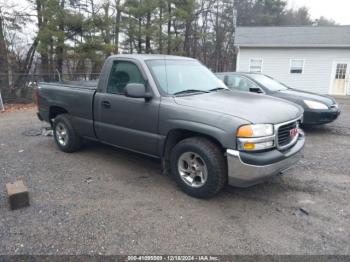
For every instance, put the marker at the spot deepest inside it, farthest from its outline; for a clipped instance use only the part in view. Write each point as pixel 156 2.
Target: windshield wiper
pixel 218 89
pixel 189 91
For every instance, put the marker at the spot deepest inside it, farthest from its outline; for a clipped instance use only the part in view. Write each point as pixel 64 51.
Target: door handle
pixel 106 104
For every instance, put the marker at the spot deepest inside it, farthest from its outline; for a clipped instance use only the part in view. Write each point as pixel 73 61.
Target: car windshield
pixel 177 77
pixel 269 83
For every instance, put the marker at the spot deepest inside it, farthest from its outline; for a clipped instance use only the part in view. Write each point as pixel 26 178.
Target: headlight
pixel 255 137
pixel 315 105
pixel 258 130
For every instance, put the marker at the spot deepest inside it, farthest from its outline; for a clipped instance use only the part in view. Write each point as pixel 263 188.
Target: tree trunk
pixel 44 63
pixel 160 50
pixel 106 28
pixel 117 25
pixel 148 37
pixel 176 33
pixel 24 70
pixel 4 67
pixel 169 28
pixel 195 40
pixel 60 40
pixel 187 37
pixel 139 37
pixel 217 39
pixel 51 67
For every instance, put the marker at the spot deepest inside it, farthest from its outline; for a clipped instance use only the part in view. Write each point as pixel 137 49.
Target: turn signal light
pixel 248 146
pixel 245 131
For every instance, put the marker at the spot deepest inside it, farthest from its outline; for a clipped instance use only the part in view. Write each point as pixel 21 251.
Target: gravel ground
pixel 106 201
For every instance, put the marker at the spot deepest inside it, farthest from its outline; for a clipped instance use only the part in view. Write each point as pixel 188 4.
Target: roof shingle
pixel 332 36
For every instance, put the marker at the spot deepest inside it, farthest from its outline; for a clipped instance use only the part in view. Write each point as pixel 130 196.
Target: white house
pixel 315 59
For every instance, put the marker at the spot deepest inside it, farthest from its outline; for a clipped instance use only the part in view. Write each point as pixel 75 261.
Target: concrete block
pixel 18 195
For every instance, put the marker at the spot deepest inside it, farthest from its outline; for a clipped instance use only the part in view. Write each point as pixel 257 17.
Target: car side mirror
pixel 255 90
pixel 137 91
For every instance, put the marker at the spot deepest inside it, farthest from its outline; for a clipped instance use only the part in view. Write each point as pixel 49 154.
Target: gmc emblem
pixel 293 132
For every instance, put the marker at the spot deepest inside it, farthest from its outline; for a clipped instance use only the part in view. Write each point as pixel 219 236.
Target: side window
pixel 239 83
pixel 222 78
pixel 296 66
pixel 123 73
pixel 255 65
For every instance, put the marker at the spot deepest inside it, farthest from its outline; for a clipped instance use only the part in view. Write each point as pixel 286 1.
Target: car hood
pixel 297 96
pixel 252 107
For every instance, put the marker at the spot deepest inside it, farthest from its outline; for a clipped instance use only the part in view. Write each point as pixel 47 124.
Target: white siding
pixel 317 73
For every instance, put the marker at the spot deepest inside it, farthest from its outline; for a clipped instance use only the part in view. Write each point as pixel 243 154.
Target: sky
pixel 338 10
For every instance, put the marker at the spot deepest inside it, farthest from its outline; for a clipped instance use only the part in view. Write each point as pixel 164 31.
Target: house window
pixel 255 65
pixel 296 66
pixel 341 71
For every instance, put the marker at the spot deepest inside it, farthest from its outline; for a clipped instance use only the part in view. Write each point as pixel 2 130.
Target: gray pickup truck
pixel 175 109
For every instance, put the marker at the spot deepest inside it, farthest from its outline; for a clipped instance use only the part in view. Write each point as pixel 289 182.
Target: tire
pixel 71 141
pixel 205 156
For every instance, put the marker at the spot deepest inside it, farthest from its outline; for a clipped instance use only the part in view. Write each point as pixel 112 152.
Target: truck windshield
pixel 184 77
pixel 269 83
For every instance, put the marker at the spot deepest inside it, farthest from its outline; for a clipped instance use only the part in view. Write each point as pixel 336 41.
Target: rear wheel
pixel 65 136
pixel 198 166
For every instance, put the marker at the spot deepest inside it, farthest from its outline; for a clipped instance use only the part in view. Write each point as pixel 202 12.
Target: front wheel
pixel 199 167
pixel 64 134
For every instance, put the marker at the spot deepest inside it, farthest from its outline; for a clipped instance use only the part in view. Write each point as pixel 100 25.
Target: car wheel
pixel 65 136
pixel 199 167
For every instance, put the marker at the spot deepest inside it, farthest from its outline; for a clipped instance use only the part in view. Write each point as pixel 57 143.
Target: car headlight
pixel 255 137
pixel 315 105
pixel 258 130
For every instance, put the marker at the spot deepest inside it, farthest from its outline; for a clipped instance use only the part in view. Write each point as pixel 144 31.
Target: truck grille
pixel 284 134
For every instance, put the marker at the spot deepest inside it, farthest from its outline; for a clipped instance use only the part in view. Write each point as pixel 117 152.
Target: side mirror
pixel 137 91
pixel 255 90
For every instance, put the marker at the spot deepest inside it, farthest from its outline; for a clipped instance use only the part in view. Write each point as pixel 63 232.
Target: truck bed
pixel 76 97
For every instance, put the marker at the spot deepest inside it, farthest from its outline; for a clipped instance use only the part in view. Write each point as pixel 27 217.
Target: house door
pixel 340 78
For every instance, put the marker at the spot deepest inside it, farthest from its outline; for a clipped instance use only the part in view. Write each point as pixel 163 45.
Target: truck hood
pixel 254 108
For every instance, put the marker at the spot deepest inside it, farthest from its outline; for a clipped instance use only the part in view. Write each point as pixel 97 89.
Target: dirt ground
pixel 15 107
pixel 103 200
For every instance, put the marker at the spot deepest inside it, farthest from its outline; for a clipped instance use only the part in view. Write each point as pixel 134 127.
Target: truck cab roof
pixel 144 57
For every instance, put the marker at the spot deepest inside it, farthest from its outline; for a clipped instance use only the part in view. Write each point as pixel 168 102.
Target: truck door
pixel 122 121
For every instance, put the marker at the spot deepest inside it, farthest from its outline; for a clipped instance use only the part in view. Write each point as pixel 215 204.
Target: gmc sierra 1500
pixel 175 109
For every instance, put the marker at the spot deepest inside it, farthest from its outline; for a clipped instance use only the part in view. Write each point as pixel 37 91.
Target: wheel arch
pixel 174 136
pixel 54 111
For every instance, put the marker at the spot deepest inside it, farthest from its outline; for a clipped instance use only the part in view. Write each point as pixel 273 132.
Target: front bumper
pixel 247 169
pixel 320 117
